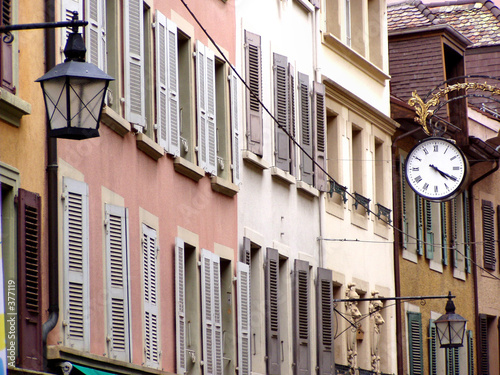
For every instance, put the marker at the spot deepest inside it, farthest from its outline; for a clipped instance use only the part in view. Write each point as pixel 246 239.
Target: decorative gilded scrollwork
pixel 423 109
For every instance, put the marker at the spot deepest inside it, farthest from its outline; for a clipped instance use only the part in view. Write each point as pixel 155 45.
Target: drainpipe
pixel 53 245
pixel 473 247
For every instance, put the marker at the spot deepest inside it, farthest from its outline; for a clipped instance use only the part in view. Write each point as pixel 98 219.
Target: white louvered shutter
pixel 67 9
pixel 117 282
pixel 180 306
pixel 174 139
pixel 205 84
pixel 211 313
pixel 151 344
pixel 76 264
pixel 134 62
pixel 161 79
pixel 244 319
pixel 235 128
pixel 95 11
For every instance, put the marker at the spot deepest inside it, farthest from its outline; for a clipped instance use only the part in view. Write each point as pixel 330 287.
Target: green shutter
pixel 444 233
pixel 415 342
pixel 420 225
pixel 467 232
pixel 404 213
pixel 433 348
pixel 429 234
pixel 455 232
pixel 470 354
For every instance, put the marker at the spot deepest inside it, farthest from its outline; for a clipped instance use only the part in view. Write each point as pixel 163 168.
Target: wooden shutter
pixel 404 203
pixel 272 312
pixel 246 251
pixel 76 321
pixel 96 33
pixel 420 225
pixel 302 345
pixel 235 128
pixel 488 235
pixel 470 353
pixel 429 234
pixel 319 117
pixel 415 343
pixel 6 65
pixel 174 131
pixel 453 361
pixel 324 322
pixel 253 66
pixel 244 319
pixel 483 357
pixel 180 306
pixel 281 112
pixel 116 223
pixel 292 126
pixel 454 231
pixel 134 62
pixel 444 233
pixel 433 348
pixel 306 139
pixel 29 283
pixel 161 79
pixel 205 84
pixel 150 272
pixel 211 313
pixel 467 232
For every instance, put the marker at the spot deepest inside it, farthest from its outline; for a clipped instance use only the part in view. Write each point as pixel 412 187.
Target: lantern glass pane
pixel 457 331
pixel 443 332
pixel 86 97
pixel 55 98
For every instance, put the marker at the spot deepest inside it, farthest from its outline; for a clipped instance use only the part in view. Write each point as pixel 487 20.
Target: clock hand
pixel 444 174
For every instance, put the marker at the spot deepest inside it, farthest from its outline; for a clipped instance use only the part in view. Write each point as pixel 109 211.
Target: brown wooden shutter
pixel 325 329
pixel 306 164
pixel 281 112
pixel 484 367
pixel 6 66
pixel 488 235
pixel 302 346
pixel 253 64
pixel 291 107
pixel 272 312
pixel 319 136
pixel 29 287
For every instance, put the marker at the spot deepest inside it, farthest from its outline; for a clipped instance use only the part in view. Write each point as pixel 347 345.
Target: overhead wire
pixel 304 152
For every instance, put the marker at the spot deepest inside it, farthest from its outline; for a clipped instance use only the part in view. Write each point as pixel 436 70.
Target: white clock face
pixel 436 169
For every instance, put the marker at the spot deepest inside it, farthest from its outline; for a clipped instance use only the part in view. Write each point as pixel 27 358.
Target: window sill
pixel 255 160
pixel 283 176
pixel 12 108
pixel 114 121
pixel 307 189
pixel 188 169
pixel 354 58
pixel 307 5
pixel 458 274
pixel 149 147
pixel 410 256
pixel 223 186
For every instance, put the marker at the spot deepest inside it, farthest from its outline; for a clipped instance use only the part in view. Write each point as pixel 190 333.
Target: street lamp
pixel 450 327
pixel 74 90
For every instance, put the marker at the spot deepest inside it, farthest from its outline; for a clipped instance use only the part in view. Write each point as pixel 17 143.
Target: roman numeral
pixel 436 148
pixel 418 179
pixel 454 157
pixel 418 158
pixel 425 151
pixel 425 186
pixel 435 189
pixel 446 150
pixel 415 169
pixel 456 168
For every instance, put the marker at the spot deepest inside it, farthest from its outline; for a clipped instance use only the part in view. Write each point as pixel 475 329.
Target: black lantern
pixel 74 93
pixel 450 327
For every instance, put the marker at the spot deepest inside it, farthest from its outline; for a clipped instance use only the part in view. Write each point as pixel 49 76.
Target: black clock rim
pixel 459 189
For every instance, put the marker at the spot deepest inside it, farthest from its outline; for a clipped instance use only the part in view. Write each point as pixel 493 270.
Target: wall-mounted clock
pixel 437 169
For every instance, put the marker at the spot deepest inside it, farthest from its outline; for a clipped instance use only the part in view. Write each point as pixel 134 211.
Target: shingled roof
pixel 477 20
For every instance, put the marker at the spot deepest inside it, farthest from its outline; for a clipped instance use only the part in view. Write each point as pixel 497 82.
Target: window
pixel 253 66
pixel 415 342
pixel 6 57
pixel 76 314
pixel 117 249
pixel 489 248
pixel 357 159
pixel 150 301
pixel 186 116
pixel 285 331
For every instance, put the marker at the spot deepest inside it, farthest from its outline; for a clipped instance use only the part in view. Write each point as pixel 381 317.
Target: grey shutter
pixel 150 272
pixel 235 128
pixel 467 231
pixel 306 163
pixel 483 355
pixel 6 63
pixel 281 112
pixel 429 234
pixel 180 306
pixel 211 313
pixel 161 79
pixel 211 115
pixel 76 264
pixel 244 319
pixel 96 32
pixel 134 62
pixel 415 343
pixel 117 282
pixel 470 353
pixel 324 322
pixel 433 348
pixel 302 345
pixel 246 251
pixel 292 128
pixel 253 66
pixel 404 203
pixel 420 225
pixel 272 312
pixel 488 235
pixel 444 233
pixel 319 135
